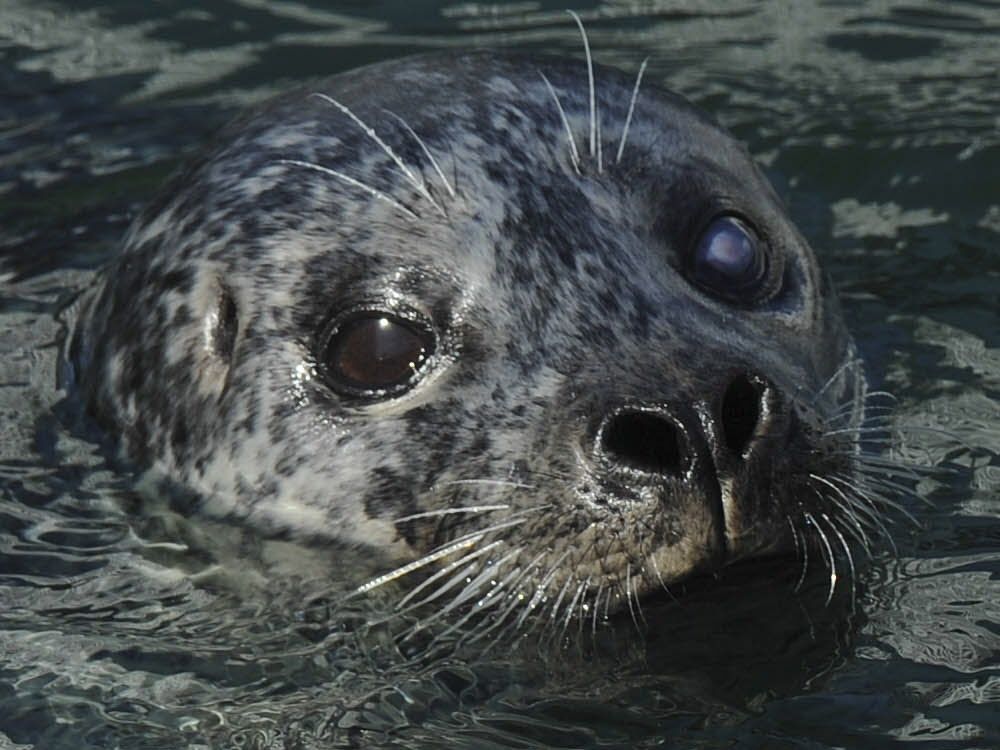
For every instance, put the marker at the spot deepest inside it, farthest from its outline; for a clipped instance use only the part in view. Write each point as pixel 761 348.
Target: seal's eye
pixel 729 260
pixel 375 353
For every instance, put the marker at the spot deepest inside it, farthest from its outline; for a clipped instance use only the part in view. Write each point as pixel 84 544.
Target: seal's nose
pixel 658 440
pixel 702 466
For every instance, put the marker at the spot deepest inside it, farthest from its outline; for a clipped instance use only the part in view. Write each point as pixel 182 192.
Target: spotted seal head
pixel 474 312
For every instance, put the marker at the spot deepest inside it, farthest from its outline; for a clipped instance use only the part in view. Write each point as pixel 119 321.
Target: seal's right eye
pixel 376 354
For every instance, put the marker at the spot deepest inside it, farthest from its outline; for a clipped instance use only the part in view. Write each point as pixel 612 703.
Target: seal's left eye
pixel 729 259
pixel 374 353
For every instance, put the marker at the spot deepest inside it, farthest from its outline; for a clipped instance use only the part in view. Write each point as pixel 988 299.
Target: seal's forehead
pixel 449 155
pixel 455 96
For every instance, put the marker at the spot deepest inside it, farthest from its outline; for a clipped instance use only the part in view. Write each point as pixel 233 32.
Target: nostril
pixel 643 440
pixel 741 411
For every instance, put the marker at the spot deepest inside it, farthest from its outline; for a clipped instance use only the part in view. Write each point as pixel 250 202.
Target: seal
pixel 519 323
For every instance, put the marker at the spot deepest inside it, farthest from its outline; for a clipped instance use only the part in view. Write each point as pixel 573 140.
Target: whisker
pixel 416 564
pixel 515 519
pixel 419 184
pixel 631 110
pixel 849 362
pixel 451 511
pixel 885 501
pixel 869 463
pixel 443 572
pixel 571 607
pixel 847 554
pixel 869 509
pixel 849 507
pixel 500 589
pixel 859 430
pixel 374 193
pixel 659 577
pixel 803 552
pixel 874 413
pixel 573 153
pixel 462 542
pixel 600 149
pixel 427 152
pixel 529 605
pixel 869 512
pixel 542 587
pixel 628 596
pixel 597 607
pixel 554 612
pixel 488 601
pixel 501 618
pixel 590 79
pixel 470 591
pixel 828 555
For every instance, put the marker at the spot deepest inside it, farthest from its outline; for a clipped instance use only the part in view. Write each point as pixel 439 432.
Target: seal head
pixel 469 310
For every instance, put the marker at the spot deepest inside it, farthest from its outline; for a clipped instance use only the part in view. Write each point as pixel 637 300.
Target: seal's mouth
pixel 608 542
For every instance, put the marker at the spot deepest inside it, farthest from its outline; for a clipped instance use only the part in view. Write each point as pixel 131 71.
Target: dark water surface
pixel 119 627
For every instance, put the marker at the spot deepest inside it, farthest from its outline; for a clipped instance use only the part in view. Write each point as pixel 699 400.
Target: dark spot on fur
pixel 177 279
pixel 226 325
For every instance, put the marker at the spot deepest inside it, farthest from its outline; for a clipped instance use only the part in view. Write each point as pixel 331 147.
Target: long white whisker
pixel 659 576
pixel 871 463
pixel 542 587
pixel 417 564
pixel 452 511
pixel 631 110
pixel 514 520
pixel 533 601
pixel 350 181
pixel 853 523
pixel 573 153
pixel 869 508
pixel 869 512
pixel 571 607
pixel 880 498
pixel 427 152
pixel 368 130
pixel 501 618
pixel 554 612
pixel 597 602
pixel 600 149
pixel 590 78
pixel 628 596
pixel 476 583
pixel 443 572
pixel 802 551
pixel 860 430
pixel 828 554
pixel 852 506
pixel 847 553
pixel 482 605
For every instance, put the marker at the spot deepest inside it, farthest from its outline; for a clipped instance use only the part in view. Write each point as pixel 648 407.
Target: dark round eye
pixel 729 259
pixel 374 352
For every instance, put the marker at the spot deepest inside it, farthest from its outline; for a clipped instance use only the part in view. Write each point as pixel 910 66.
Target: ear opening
pixel 226 324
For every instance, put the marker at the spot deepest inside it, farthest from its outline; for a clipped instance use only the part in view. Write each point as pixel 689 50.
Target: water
pixel 120 627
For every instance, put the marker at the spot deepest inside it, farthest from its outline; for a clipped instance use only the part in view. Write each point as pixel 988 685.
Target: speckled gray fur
pixel 557 293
